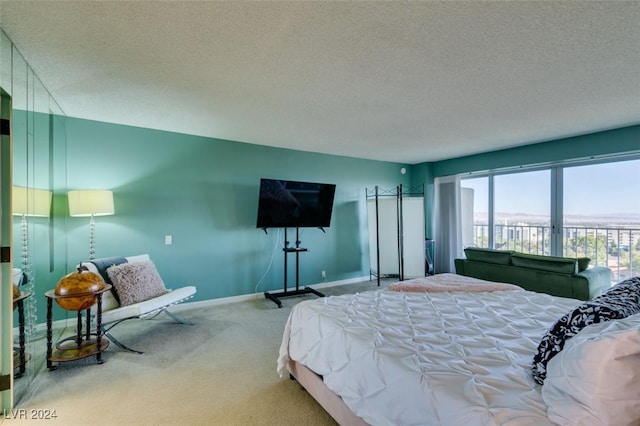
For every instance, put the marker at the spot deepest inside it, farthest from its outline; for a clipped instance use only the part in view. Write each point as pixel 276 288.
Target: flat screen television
pixel 291 204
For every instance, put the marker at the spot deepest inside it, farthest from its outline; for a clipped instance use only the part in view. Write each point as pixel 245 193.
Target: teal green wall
pixel 204 192
pixel 599 144
pixel 39 161
pixel 590 146
pixel 423 173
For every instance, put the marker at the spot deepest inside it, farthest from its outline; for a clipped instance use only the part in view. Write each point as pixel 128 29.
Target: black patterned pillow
pixel 620 301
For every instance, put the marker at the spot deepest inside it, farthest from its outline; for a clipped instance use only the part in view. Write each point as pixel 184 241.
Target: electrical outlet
pixel 323 274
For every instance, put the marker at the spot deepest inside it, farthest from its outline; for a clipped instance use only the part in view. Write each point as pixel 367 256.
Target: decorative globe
pixel 80 282
pixel 16 291
pixel 16 294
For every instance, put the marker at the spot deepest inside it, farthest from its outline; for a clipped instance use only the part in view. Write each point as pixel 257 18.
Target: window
pixel 601 209
pixel 522 212
pixel 475 212
pixel 573 210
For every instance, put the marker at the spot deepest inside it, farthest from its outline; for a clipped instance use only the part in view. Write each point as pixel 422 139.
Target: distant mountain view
pixel 617 220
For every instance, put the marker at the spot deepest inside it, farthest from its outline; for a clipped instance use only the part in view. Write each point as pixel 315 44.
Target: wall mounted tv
pixel 291 204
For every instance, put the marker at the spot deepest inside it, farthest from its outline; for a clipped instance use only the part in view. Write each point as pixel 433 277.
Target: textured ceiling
pixel 400 81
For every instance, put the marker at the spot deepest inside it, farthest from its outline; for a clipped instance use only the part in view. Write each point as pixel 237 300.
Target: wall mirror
pixel 39 249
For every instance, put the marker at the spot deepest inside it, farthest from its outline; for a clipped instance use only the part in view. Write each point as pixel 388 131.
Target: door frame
pixel 6 243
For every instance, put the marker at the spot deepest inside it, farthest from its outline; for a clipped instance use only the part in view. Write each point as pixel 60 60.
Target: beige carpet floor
pixel 221 371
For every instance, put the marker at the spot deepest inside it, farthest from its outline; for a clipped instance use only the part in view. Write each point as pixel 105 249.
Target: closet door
pixel 387 236
pixel 401 243
pixel 413 238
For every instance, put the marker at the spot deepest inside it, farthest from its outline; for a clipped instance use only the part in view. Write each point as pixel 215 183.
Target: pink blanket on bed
pixel 450 282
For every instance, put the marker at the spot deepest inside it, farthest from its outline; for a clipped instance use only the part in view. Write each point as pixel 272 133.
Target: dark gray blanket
pixel 103 264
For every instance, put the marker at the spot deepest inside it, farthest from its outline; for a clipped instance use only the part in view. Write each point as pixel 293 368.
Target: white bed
pixel 423 358
pixel 446 357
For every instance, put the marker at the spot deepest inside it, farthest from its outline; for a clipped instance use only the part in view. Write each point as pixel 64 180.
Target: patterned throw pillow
pixel 136 282
pixel 620 301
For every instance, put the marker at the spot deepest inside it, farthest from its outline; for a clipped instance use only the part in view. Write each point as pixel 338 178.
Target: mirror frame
pixel 37 161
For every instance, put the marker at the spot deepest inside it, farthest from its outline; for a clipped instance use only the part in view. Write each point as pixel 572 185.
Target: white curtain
pixel 447 223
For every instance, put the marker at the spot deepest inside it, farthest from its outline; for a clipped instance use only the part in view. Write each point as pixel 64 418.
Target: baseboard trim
pixel 260 295
pixel 42 327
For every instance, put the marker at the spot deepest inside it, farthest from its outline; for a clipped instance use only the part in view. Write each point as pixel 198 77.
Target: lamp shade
pixel 91 202
pixel 31 201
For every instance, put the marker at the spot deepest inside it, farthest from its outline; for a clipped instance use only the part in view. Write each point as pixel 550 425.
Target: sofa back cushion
pixel 561 265
pixel 583 263
pixel 500 257
pixel 109 300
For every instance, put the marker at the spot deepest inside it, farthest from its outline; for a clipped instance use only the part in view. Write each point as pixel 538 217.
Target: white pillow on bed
pixel 595 379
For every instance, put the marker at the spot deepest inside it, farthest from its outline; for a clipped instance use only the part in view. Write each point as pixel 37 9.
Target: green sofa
pixel 558 276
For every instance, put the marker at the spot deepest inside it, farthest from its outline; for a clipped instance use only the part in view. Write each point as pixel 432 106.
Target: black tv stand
pixel 275 297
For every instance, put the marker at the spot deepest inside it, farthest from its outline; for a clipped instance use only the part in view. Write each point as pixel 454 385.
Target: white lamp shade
pixel 88 202
pixel 31 201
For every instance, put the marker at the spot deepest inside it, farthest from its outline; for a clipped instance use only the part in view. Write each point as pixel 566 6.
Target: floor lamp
pixel 29 202
pixel 91 203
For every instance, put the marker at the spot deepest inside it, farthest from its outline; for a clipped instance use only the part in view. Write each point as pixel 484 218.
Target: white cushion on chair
pixel 137 258
pixel 17 276
pixel 148 306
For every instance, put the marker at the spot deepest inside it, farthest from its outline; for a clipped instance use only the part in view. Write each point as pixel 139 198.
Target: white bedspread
pixel 453 358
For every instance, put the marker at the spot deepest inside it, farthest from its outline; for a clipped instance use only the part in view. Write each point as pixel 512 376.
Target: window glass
pixel 601 215
pixel 523 212
pixel 475 212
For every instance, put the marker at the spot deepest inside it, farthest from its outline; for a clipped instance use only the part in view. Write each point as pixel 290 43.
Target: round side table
pixel 82 345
